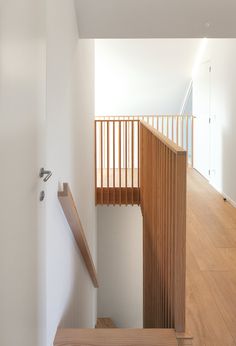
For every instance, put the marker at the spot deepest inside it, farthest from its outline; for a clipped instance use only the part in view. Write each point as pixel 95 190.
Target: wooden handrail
pixel 163 167
pixel 121 117
pixel 68 205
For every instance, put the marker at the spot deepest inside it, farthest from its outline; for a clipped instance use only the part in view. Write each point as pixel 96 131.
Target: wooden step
pixel 105 322
pixel 115 337
pixel 184 339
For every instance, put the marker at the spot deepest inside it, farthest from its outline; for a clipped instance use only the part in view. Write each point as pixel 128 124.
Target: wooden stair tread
pixel 115 337
pixel 105 322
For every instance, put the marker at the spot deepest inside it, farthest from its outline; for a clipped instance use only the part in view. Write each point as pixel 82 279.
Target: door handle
pixel 44 172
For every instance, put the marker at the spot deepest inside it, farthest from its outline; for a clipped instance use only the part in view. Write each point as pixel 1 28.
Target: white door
pixel 201 109
pixel 22 153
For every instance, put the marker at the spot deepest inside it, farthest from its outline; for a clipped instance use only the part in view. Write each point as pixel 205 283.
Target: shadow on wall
pixel 77 313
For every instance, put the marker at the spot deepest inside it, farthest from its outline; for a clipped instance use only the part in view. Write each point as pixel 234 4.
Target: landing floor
pixel 211 265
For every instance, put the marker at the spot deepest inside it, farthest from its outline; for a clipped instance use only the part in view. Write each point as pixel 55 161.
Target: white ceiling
pixel 156 18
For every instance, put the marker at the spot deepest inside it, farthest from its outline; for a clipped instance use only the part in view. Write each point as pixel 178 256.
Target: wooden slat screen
pixel 163 168
pixel 177 128
pixel 117 161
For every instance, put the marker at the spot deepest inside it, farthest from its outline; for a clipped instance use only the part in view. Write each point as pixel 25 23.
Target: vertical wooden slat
pixel 164 229
pixel 167 241
pixel 172 244
pixel 154 214
pixel 132 161
pixel 180 241
pixel 169 247
pixel 108 159
pixel 126 161
pixel 101 143
pixel 140 160
pixel 182 123
pixel 129 145
pixel 123 143
pixel 95 158
pixel 119 154
pixel 158 226
pixel 166 237
pixel 114 163
pixel 138 156
pixel 161 249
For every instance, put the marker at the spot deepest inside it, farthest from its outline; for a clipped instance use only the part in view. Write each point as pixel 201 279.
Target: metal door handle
pixel 43 172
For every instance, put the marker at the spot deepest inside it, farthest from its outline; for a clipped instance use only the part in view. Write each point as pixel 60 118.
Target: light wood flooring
pixel 211 265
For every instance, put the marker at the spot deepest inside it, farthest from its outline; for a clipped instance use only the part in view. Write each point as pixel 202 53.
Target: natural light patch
pixel 199 56
pixel 197 62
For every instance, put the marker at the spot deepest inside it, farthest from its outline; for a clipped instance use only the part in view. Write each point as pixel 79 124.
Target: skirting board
pixel 230 200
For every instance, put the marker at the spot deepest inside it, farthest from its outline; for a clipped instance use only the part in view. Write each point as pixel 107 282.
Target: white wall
pixel 140 77
pixel 222 55
pixel 22 112
pixel 120 265
pixel 71 297
pixel 46 86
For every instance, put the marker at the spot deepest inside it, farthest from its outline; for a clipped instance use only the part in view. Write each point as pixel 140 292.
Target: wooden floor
pixel 211 265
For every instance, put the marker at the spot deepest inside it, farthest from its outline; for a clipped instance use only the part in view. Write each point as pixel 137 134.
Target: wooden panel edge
pixel 171 145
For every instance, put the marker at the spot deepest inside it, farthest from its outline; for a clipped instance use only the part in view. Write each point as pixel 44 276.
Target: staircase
pixel 151 172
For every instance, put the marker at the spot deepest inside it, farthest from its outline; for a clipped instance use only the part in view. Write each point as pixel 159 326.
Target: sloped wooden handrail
pixel 68 205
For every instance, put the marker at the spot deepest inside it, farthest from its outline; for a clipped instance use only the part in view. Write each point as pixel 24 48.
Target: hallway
pixel 211 265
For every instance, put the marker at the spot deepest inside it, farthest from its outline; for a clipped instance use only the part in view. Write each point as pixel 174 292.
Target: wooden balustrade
pixel 117 161
pixel 177 128
pixel 163 202
pixel 136 164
